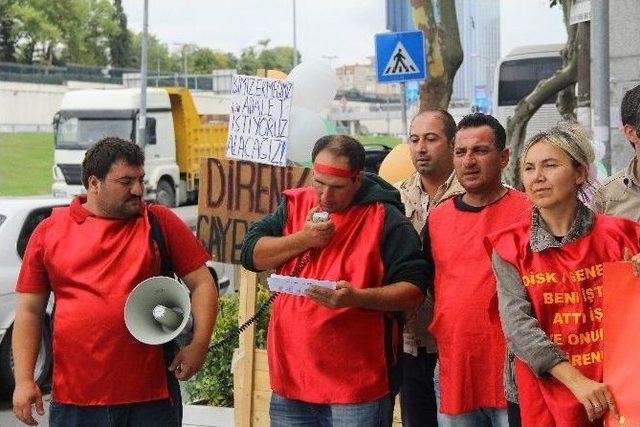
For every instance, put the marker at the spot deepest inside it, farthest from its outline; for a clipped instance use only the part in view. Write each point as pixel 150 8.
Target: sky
pixel 340 29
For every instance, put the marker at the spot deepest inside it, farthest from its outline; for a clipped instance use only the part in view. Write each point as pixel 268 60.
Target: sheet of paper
pixel 295 285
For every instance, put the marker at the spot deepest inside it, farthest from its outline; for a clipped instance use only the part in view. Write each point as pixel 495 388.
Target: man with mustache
pixel 334 354
pixel 466 326
pixel 430 143
pixel 90 255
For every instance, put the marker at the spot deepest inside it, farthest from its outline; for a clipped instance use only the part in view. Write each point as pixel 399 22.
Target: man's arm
pixel 204 308
pixel 188 259
pixel 27 335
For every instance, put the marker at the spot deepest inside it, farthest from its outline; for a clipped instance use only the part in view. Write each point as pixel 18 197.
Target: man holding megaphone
pixel 91 255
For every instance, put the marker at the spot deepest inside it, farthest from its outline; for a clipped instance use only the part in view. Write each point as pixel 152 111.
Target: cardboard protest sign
pixel 259 120
pixel 233 195
pixel 621 305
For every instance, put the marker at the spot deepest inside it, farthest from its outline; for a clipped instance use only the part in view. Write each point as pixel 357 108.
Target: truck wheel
pixel 166 194
pixel 42 372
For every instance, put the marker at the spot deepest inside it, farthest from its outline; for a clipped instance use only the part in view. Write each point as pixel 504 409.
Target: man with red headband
pixel 333 354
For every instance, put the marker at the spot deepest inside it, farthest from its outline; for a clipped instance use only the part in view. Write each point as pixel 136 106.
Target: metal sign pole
pixel 403 85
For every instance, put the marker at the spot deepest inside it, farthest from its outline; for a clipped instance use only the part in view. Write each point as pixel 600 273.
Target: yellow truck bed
pixel 193 138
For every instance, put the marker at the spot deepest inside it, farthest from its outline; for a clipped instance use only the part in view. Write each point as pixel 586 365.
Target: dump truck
pixel 176 138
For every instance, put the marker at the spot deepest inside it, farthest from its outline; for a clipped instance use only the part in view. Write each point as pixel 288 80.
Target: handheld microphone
pixel 320 216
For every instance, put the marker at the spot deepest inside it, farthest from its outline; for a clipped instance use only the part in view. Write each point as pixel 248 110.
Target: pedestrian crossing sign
pixel 400 56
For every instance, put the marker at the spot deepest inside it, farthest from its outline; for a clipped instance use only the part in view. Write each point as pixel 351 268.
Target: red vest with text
pixel 321 355
pixel 466 326
pixel 564 286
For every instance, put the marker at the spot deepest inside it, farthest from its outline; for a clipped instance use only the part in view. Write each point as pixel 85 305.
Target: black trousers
pixel 513 412
pixel 417 397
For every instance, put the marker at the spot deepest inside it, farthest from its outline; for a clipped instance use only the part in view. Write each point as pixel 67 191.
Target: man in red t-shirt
pixel 471 346
pixel 90 255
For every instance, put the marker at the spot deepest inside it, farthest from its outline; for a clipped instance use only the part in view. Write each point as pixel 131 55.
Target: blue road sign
pixel 400 56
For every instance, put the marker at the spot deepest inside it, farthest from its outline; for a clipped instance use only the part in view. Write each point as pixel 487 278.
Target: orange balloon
pixel 397 166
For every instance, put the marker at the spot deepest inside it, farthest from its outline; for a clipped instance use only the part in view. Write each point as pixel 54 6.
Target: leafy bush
pixel 213 384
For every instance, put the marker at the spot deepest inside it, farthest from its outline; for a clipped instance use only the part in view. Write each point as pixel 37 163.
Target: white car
pixel 19 216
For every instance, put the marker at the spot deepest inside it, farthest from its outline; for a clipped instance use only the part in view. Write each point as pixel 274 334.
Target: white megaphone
pixel 158 310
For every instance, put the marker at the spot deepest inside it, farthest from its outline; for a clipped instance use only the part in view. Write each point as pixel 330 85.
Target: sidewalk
pixel 207 416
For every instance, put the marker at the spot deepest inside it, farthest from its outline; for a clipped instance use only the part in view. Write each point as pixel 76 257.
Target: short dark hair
pixel 477 120
pixel 104 153
pixel 630 108
pixel 448 122
pixel 341 146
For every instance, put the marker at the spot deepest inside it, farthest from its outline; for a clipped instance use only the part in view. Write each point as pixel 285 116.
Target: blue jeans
pixel 285 413
pixel 482 417
pixel 157 413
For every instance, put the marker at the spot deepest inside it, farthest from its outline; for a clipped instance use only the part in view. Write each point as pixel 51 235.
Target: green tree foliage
pixel 94 32
pixel 213 384
pixel 74 31
pixel 203 60
pixel 262 57
pixel 277 58
pixel 7 33
pixel 248 62
pixel 159 57
pixel 120 42
pixel 38 29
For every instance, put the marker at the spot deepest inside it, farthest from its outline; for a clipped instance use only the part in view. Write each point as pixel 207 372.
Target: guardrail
pixel 25 127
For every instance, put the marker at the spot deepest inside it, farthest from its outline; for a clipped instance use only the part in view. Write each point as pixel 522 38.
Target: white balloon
pixel 314 85
pixel 305 128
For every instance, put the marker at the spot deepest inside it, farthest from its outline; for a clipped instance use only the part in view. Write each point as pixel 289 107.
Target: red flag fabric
pixel 621 305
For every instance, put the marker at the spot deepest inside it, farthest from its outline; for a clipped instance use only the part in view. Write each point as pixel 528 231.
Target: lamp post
pixel 142 116
pixel 329 58
pixel 600 85
pixel 295 47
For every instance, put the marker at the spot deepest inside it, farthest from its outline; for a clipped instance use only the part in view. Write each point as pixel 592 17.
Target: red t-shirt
pixel 91 264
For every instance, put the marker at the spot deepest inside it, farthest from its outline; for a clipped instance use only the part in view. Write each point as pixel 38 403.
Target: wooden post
pixel 247 308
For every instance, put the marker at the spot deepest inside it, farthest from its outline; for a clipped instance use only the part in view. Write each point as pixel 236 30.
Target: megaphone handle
pixel 169 319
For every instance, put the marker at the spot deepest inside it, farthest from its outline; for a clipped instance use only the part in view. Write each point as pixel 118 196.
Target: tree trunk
pixel 583 110
pixel 438 21
pixel 562 80
pixel 566 102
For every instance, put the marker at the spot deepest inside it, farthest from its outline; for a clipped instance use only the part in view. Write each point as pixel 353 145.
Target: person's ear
pixel 94 184
pixel 582 175
pixel 504 158
pixel 631 133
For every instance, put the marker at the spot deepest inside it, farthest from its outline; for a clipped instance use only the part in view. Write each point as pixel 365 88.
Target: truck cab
pixel 175 138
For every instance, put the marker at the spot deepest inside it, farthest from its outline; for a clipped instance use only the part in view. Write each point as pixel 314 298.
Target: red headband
pixel 330 170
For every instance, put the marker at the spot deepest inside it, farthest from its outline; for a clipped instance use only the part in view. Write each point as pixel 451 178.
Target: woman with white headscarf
pixel 549 274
